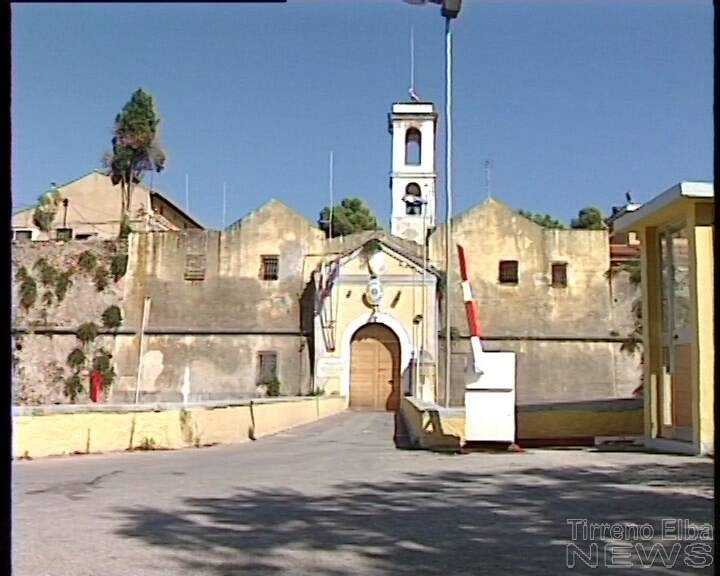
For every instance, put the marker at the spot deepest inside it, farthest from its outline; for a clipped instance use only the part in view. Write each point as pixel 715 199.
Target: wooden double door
pixel 375 368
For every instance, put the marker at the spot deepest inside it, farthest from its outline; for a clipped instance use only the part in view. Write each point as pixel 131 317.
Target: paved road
pixel 337 498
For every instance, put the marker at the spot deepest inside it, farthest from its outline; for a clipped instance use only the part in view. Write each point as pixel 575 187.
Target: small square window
pixel 64 234
pixel 559 275
pixel 266 367
pixel 195 265
pixel 23 234
pixel 269 268
pixel 508 272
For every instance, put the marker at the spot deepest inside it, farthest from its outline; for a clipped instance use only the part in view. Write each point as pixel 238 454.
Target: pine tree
pixel 135 148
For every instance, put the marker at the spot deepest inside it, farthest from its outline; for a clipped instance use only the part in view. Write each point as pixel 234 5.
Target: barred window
pixel 508 272
pixel 64 233
pixel 266 367
pixel 269 267
pixel 559 275
pixel 23 234
pixel 195 265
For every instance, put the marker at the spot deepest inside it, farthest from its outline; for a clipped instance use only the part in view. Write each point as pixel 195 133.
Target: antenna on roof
pixel 411 91
pixel 224 205
pixel 331 196
pixel 488 169
pixel 187 194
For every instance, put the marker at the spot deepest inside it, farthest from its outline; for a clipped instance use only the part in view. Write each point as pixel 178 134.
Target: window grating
pixel 508 272
pixel 559 275
pixel 269 267
pixel 266 367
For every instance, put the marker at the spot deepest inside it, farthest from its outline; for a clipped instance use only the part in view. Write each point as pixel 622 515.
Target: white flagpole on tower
pixel 330 224
pixel 488 168
pixel 412 59
pixel 224 205
pixel 187 193
pixel 411 90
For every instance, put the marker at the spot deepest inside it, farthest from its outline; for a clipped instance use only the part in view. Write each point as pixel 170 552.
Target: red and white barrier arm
pixel 471 311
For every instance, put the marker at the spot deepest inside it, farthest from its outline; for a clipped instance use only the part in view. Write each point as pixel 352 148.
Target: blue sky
pixel 573 102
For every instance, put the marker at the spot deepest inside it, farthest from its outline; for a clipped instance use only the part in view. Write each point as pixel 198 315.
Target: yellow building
pixel 676 232
pixel 90 206
pixel 271 304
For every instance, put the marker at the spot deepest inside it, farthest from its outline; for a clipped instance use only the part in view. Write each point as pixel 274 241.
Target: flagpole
pixel 224 205
pixel 412 59
pixel 330 225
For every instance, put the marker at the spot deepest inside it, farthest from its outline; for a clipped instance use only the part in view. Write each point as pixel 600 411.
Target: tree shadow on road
pixel 422 525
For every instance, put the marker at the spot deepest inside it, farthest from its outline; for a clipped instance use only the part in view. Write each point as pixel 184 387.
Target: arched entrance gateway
pixel 375 368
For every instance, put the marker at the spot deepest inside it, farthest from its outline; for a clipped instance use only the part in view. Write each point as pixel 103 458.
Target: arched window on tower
pixel 413 200
pixel 413 140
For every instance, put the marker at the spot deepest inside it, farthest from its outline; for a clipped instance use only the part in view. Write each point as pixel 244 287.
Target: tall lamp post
pixel 420 204
pixel 450 10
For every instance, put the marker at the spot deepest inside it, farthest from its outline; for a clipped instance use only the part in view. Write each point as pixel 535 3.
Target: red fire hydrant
pixel 95 385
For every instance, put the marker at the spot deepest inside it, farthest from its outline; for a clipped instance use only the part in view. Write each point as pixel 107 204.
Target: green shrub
pixel 47 272
pixel 28 292
pixel 102 363
pixel 20 274
pixel 73 387
pixel 118 266
pixel 112 317
pixel 47 208
pixel 125 228
pixel 148 443
pixel 43 219
pixel 47 298
pixel 273 387
pixel 62 285
pixel 87 332
pixel 76 359
pixel 316 392
pixel 87 260
pixel 101 278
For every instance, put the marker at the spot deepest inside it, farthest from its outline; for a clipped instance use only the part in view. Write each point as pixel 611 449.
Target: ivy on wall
pixel 41 286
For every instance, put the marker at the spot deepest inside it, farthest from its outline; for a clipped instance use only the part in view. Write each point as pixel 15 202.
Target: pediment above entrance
pixel 377 257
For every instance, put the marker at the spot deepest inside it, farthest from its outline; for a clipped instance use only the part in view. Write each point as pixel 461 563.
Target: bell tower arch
pixel 412 177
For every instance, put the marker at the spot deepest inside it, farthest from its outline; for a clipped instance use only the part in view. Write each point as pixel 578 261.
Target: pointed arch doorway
pixel 375 368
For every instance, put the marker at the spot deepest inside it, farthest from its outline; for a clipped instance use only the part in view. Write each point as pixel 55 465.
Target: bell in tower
pixel 412 179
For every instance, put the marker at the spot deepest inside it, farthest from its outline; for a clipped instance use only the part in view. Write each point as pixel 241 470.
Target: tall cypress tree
pixel 135 148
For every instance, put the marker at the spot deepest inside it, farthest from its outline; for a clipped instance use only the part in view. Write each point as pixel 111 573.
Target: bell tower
pixel 412 178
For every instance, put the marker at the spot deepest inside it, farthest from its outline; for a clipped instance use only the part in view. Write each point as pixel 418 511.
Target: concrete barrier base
pixel 84 429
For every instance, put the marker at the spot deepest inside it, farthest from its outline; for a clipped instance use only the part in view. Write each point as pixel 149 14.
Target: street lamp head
pixel 450 8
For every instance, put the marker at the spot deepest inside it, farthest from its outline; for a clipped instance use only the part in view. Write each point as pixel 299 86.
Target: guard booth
pixel 676 231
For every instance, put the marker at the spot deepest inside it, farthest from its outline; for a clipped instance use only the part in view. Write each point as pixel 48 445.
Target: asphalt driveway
pixel 338 498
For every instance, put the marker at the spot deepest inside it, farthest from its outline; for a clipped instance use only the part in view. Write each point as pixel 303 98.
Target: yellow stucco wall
pixel 89 432
pixel 428 430
pixel 402 300
pixel 553 422
pixel 579 423
pixel 92 198
pixel 706 347
pixel 697 215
